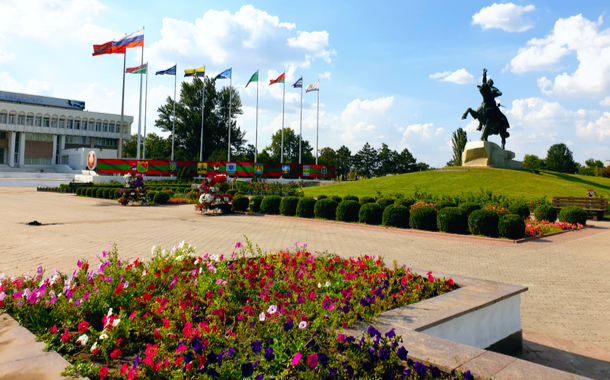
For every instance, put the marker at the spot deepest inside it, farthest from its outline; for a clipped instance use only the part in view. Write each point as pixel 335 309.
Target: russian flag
pixel 131 40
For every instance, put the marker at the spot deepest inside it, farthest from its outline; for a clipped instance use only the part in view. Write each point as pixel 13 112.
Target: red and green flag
pixel 137 70
pixel 279 79
pixel 107 48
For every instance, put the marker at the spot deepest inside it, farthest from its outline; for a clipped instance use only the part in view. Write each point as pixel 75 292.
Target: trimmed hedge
pixel 271 204
pixel 325 209
pixel 89 192
pixel 520 209
pixel 370 213
pixel 365 200
pixel 511 226
pixel 99 193
pixel 396 216
pixel 484 222
pixel 255 203
pixel 351 198
pixel 161 198
pixel 288 206
pixel 79 190
pixel 305 207
pixel 442 204
pixel 347 211
pixel 405 202
pixel 385 202
pixel 106 193
pixel 546 212
pixel 321 197
pixel 150 195
pixel 232 192
pixel 423 218
pixel 452 220
pixel 469 207
pixel 241 203
pixel 336 198
pixel 573 214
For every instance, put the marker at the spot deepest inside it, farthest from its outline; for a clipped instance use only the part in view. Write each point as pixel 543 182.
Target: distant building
pixel 40 131
pixel 606 163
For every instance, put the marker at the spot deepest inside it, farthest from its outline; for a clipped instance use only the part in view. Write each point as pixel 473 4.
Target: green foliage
pixel 533 162
pixel 99 193
pixel 106 193
pixel 325 209
pixel 545 212
pixel 79 191
pixel 572 214
pixel 559 159
pixel 351 198
pixel 423 218
pixel 405 202
pixel 149 194
pixel 336 198
pixel 458 141
pixel 291 148
pixel 347 211
pixel 192 195
pixel 511 226
pixel 385 202
pixel 442 204
pixel 271 204
pixel 520 209
pixel 453 220
pixel 288 206
pixel 365 200
pixel 161 198
pixel 469 207
pixel 396 216
pixel 370 213
pixel 322 196
pixel 305 207
pixel 241 203
pixel 484 222
pixel 232 192
pixel 255 203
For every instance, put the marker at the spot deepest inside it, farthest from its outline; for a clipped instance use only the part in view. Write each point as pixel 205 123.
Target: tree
pixel 458 141
pixel 188 120
pixel 406 163
pixel 386 161
pixel 593 168
pixel 559 159
pixel 157 147
pixel 343 162
pixel 291 148
pixel 365 161
pixel 533 162
pixel 328 156
pixel 422 167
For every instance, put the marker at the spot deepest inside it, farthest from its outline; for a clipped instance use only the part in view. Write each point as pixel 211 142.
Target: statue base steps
pixel 488 154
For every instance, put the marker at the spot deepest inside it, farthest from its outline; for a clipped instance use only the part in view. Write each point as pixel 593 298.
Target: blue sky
pixel 399 72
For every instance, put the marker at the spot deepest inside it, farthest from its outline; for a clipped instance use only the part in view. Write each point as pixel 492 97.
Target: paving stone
pixel 486 365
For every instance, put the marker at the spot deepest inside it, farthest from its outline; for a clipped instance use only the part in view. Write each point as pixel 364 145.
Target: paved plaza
pixel 565 313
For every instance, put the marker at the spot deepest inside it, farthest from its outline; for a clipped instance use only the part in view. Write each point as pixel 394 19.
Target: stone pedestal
pixel 488 154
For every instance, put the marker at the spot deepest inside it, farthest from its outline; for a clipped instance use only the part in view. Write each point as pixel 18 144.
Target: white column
pixel 21 149
pixel 54 155
pixel 62 143
pixel 11 148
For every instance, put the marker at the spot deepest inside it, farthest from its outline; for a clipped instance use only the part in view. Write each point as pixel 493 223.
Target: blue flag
pixel 298 84
pixel 170 71
pixel 225 74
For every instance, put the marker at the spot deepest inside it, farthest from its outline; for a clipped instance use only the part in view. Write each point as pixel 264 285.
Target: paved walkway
pixel 565 313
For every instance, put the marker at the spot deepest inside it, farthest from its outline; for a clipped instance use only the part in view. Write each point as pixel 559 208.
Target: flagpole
pixel 229 121
pixel 317 123
pixel 301 123
pixel 174 126
pixel 202 110
pixel 283 102
pixel 145 108
pixel 256 139
pixel 140 107
pixel 120 153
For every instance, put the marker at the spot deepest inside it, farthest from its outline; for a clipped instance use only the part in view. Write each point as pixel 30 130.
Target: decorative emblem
pixel 306 170
pixel 258 169
pixel 323 171
pixel 231 167
pixel 286 169
pixel 173 166
pixel 91 160
pixel 202 168
pixel 142 166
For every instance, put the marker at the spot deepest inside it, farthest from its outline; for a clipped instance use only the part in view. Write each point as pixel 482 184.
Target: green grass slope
pixel 510 183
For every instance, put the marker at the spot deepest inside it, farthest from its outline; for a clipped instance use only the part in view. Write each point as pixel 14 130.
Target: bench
pixel 594 206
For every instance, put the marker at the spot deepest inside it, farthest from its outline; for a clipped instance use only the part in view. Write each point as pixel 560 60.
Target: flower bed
pixel 214 196
pixel 537 228
pixel 269 188
pixel 262 316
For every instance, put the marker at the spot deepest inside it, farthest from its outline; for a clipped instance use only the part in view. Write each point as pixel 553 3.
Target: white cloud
pixel 314 42
pixel 326 75
pixel 605 101
pixel 8 83
pixel 5 56
pixel 599 129
pixel 472 126
pixel 508 17
pixel 440 75
pixel 460 76
pixel 423 130
pixel 361 117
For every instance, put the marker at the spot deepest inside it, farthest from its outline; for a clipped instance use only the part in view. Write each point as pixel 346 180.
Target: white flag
pixel 313 87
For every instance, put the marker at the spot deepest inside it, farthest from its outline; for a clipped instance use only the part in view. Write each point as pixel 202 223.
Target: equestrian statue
pixel 491 120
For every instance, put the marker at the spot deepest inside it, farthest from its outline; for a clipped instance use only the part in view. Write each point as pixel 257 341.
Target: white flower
pixel 181 245
pixel 116 322
pixel 179 258
pixel 153 249
pixel 272 309
pixel 196 262
pixel 319 285
pixel 83 339
pixel 262 316
pixel 302 325
pixel 327 284
pixel 109 312
pixel 103 336
pixel 144 273
pixel 94 347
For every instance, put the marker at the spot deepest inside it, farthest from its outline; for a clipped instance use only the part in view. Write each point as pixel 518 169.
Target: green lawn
pixel 510 183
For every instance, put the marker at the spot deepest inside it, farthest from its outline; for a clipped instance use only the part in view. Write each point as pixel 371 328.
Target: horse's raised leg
pixel 465 115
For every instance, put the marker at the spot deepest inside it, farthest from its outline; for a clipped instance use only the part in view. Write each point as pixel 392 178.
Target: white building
pixel 40 131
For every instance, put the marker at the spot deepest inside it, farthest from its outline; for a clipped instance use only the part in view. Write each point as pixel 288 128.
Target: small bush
pixel 115 194
pixel 347 211
pixel 423 218
pixel 161 197
pixel 405 202
pixel 271 204
pixel 255 203
pixel 232 192
pixel 305 207
pixel 484 222
pixel 371 213
pixel 351 198
pixel 452 220
pixel 90 191
pixel 511 226
pixel 442 204
pixel 241 203
pixel 469 207
pixel 520 209
pixel 169 192
pixel 572 214
pixel 365 200
pixel 321 197
pixel 385 202
pixel 545 212
pixel 288 206
pixel 501 211
pixel 193 195
pixel 396 216
pixel 336 198
pixel 325 209
pixel 149 194
pixel 106 193
pixel 99 193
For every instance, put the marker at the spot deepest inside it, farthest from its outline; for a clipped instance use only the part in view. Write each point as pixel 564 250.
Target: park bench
pixel 594 206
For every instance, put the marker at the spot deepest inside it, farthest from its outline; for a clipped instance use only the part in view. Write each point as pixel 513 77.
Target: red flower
pixel 103 372
pixel 119 289
pixel 66 336
pixel 54 329
pixel 450 282
pixel 116 353
pixel 82 327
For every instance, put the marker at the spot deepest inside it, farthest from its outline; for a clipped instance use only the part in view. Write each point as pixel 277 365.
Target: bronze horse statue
pixel 491 119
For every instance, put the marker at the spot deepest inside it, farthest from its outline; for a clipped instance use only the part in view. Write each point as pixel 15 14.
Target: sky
pixel 399 72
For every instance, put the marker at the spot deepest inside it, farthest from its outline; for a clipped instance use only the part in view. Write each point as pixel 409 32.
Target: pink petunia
pixel 312 360
pixel 297 358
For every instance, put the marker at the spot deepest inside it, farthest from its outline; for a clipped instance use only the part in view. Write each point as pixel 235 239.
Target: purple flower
pixel 247 369
pixel 436 373
pixel 212 358
pixel 420 368
pixel 288 325
pixel 402 353
pixel 39 270
pixel 136 362
pixel 269 354
pixel 349 371
pixel 256 346
pixel 384 354
pixel 367 366
pixel 390 334
pixel 231 351
pixel 260 377
pixel 373 331
pixel 212 373
pixel 333 372
pixel 468 376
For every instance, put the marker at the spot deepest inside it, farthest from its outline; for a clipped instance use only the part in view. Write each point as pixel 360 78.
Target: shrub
pixel 99 193
pixel 351 198
pixel 288 206
pixel 336 198
pixel 405 202
pixel 572 214
pixel 545 212
pixel 520 209
pixel 511 226
pixel 396 216
pixel 469 207
pixel 452 220
pixel 370 213
pixel 501 211
pixel 385 202
pixel 193 194
pixel 365 200
pixel 483 222
pixel 115 194
pixel 232 192
pixel 240 193
pixel 442 204
pixel 255 203
pixel 423 218
pixel 325 209
pixel 161 197
pixel 79 190
pixel 305 207
pixel 321 197
pixel 150 194
pixel 423 204
pixel 347 211
pixel 169 192
pixel 241 203
pixel 106 193
pixel 271 204
pixel 91 191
